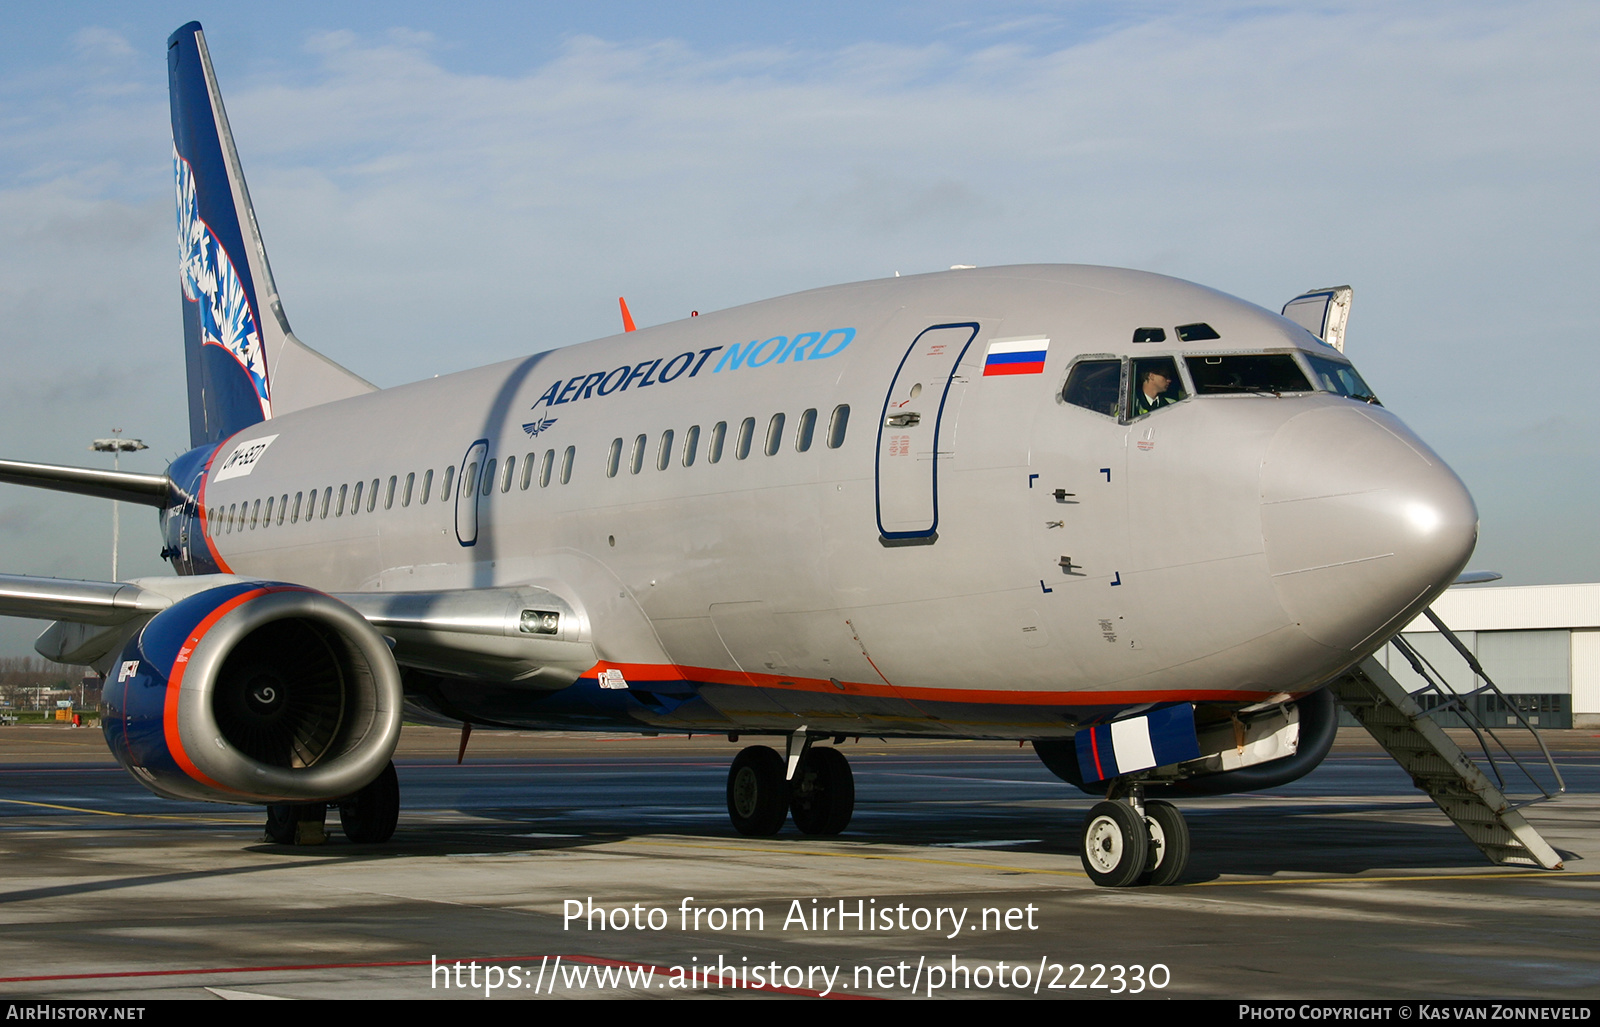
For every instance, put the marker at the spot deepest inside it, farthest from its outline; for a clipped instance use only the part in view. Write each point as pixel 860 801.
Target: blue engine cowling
pixel 254 692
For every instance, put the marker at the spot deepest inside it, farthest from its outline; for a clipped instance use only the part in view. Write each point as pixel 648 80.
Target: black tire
pixel 758 796
pixel 822 796
pixel 370 815
pixel 1115 846
pixel 281 819
pixel 1169 843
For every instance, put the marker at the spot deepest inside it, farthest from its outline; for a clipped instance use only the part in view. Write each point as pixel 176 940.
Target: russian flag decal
pixel 1016 356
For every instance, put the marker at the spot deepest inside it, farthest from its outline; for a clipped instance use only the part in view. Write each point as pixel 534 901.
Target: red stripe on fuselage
pixel 205 521
pixel 646 672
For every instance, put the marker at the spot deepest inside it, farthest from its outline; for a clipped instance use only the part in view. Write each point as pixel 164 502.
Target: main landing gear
pixel 368 817
pixel 1130 841
pixel 814 785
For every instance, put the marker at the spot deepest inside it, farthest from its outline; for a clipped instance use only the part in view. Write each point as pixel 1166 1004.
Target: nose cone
pixel 1363 524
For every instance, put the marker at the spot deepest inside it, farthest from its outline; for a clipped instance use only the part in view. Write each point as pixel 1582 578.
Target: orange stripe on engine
pixel 169 717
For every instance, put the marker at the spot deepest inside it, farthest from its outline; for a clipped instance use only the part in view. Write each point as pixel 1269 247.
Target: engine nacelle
pixel 254 692
pixel 1318 722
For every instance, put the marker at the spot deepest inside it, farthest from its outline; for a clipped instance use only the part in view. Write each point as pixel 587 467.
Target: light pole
pixel 116 447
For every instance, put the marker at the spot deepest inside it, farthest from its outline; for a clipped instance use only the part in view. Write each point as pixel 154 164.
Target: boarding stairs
pixel 1409 732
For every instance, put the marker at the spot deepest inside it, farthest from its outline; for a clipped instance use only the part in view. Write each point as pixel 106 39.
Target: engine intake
pixel 255 692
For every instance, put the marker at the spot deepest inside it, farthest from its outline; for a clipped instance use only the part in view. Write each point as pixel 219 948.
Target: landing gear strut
pixel 1127 841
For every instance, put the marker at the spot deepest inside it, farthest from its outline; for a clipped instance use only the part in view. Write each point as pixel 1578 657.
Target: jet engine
pixel 1313 725
pixel 254 692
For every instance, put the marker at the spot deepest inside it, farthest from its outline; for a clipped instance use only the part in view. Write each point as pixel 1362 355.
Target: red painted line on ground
pixel 431 963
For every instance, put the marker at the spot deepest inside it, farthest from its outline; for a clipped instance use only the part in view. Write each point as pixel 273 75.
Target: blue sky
pixel 439 190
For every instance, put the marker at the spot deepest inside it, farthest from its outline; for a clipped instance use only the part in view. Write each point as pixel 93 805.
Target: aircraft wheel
pixel 1115 845
pixel 281 819
pixel 1169 843
pixel 823 794
pixel 758 796
pixel 370 815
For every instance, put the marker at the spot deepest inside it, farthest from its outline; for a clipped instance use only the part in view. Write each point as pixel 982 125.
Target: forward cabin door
pixel 913 436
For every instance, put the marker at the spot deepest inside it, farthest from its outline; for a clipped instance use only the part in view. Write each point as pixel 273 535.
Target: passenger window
pixel 808 427
pixel 388 497
pixel 444 489
pixel 1156 384
pixel 255 513
pixel 296 515
pixel 636 461
pixel 469 477
pixel 718 433
pixel 544 470
pixel 233 511
pixel 837 425
pixel 510 473
pixel 372 496
pixel 691 444
pixel 527 471
pixel 486 483
pixel 266 521
pixel 775 434
pixel 344 490
pixel 427 485
pixel 747 429
pixel 1095 385
pixel 614 460
pixel 327 500
pixel 664 454
pixel 566 464
pixel 355 498
pixel 411 481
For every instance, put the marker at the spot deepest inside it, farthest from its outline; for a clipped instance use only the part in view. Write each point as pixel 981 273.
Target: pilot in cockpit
pixel 1154 384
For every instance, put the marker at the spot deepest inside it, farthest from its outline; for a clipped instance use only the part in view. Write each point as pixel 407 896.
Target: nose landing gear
pixel 1127 841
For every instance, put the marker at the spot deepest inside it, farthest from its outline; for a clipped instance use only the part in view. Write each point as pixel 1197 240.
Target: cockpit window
pixel 1095 385
pixel 1155 384
pixel 1340 378
pixel 1149 335
pixel 1271 373
pixel 1197 332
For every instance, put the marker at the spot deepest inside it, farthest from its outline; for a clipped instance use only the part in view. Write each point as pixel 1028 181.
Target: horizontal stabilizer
pixel 125 486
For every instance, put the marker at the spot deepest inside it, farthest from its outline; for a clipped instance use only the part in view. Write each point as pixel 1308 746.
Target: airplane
pixel 1133 521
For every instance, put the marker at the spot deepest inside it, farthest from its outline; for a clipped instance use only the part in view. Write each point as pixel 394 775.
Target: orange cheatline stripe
pixel 645 672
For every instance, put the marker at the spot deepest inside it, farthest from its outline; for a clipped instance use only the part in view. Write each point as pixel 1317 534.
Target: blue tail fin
pixel 244 363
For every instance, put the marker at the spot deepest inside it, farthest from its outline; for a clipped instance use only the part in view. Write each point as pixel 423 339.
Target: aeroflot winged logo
pixel 780 349
pixel 210 281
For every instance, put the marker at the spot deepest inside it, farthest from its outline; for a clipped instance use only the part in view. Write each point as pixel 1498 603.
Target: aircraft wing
pixel 100 603
pixel 127 486
pixel 526 634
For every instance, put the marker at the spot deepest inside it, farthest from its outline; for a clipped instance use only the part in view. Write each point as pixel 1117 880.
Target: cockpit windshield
pixel 1270 373
pixel 1340 378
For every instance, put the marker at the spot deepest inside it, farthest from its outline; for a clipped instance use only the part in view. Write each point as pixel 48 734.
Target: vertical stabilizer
pixel 244 363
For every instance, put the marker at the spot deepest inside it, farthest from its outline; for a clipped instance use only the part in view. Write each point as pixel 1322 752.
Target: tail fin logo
pixel 209 280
